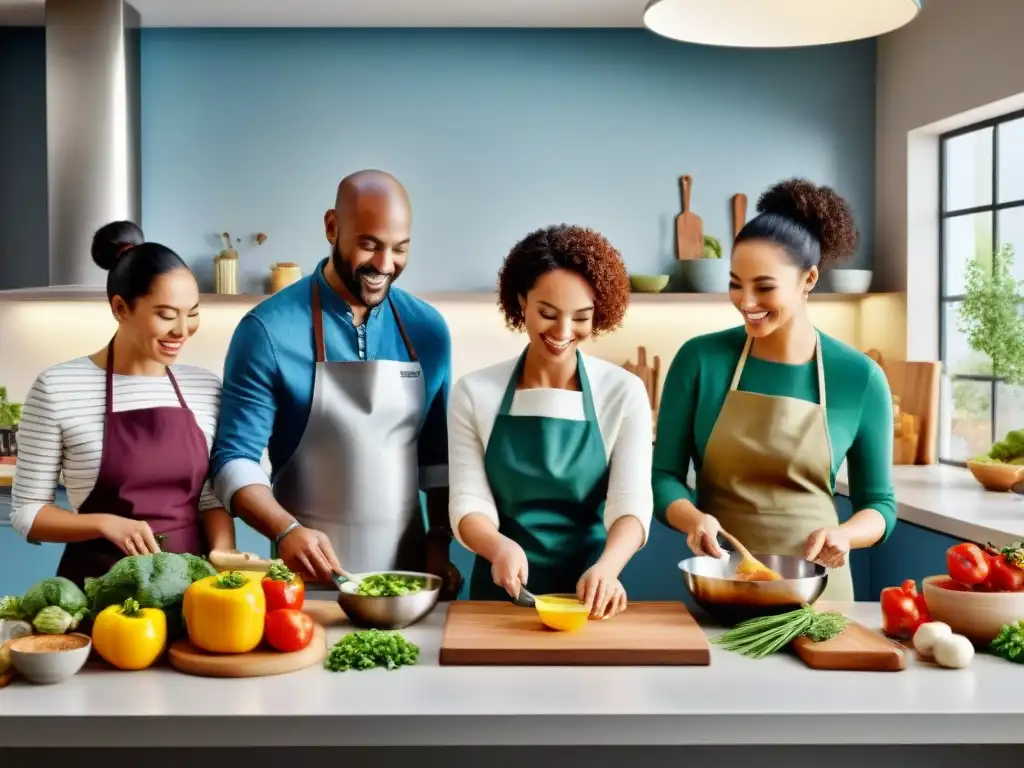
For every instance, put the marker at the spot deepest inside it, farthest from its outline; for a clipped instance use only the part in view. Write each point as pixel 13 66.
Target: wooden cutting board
pixel 500 633
pixel 739 213
pixel 262 662
pixel 649 375
pixel 689 227
pixel 918 384
pixel 855 648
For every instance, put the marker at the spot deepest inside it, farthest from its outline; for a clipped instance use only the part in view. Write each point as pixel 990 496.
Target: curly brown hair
pixel 580 250
pixel 820 211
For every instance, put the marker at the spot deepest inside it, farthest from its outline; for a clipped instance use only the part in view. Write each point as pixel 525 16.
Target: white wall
pixel 961 61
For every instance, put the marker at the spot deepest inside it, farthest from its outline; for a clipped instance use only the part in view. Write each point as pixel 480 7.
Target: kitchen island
pixel 734 703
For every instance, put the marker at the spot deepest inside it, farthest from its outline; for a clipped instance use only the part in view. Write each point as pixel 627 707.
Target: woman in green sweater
pixel 769 410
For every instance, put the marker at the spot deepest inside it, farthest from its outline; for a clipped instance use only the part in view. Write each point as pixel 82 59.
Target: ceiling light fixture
pixel 776 23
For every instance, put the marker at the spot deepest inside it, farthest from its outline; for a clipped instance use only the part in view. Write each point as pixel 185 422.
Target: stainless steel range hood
pixel 92 128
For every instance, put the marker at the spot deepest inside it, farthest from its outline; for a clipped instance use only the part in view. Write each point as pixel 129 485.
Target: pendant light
pixel 776 23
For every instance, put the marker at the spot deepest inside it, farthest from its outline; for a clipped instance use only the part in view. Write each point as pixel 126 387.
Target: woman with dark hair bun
pixel 128 428
pixel 768 411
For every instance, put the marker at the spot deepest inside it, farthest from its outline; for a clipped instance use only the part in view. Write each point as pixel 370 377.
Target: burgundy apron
pixel 154 464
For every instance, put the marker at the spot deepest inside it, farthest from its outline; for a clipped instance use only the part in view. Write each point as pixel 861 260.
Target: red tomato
pixel 288 630
pixel 967 563
pixel 282 588
pixel 1004 576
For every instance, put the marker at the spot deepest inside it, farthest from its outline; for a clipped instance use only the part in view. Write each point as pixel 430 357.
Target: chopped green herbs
pixel 390 585
pixel 371 648
pixel 763 636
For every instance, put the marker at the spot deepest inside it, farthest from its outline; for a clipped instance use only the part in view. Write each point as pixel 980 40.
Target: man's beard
pixel 352 280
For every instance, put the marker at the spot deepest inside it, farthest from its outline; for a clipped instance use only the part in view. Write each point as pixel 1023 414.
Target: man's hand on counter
pixel 309 553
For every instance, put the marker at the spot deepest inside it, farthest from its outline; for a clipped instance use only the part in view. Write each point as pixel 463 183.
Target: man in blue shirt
pixel 344 379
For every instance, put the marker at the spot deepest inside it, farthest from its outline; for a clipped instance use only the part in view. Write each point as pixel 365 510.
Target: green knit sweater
pixel 858 409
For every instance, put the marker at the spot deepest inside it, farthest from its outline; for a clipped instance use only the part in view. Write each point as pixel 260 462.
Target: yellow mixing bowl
pixel 562 612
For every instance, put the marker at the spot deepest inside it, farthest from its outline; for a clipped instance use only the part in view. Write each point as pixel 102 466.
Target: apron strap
pixel 318 326
pixel 821 372
pixel 177 391
pixel 110 383
pixel 318 323
pixel 743 361
pixel 510 388
pixel 401 329
pixel 817 359
pixel 589 411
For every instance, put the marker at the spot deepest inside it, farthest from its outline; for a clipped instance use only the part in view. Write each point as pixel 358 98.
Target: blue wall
pixel 494 132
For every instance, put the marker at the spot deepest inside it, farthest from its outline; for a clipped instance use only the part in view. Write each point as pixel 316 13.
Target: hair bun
pixel 821 210
pixel 112 240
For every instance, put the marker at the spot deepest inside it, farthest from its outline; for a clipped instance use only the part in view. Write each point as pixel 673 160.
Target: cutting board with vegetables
pixel 689 227
pixel 500 633
pixel 261 662
pixel 855 648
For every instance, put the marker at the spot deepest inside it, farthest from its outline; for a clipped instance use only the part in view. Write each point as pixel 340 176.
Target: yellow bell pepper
pixel 130 637
pixel 225 613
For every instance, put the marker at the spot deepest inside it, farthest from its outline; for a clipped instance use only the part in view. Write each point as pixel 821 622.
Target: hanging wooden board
pixel 689 227
pixel 739 213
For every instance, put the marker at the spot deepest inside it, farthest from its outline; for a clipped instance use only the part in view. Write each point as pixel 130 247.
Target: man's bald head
pixel 377 184
pixel 369 229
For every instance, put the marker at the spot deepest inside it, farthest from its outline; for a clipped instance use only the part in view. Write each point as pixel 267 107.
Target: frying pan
pixel 729 601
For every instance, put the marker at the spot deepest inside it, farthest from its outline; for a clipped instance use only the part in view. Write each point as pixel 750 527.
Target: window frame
pixel 993 208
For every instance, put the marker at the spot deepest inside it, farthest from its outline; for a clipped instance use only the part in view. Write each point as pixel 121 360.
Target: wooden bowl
pixel 977 616
pixel 995 476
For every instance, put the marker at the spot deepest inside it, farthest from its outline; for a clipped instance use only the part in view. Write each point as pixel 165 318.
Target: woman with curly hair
pixel 768 411
pixel 549 452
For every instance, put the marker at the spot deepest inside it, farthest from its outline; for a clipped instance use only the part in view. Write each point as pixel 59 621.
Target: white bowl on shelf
pixel 850 280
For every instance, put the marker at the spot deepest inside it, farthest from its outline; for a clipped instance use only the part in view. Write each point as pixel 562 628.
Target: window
pixel 981 170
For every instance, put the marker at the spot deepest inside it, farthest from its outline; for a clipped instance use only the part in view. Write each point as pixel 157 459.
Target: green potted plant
pixel 10 416
pixel 708 274
pixel 991 320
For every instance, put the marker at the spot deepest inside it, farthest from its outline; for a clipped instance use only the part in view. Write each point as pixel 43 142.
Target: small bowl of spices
pixel 49 659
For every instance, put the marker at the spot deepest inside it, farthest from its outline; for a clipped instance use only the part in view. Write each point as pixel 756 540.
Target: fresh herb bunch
pixel 371 648
pixel 389 585
pixel 763 636
pixel 278 571
pixel 989 313
pixel 1009 643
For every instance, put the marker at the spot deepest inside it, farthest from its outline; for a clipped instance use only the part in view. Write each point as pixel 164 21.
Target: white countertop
pixel 949 500
pixel 735 700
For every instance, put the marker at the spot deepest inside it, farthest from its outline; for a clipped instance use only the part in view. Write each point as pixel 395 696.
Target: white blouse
pixel 623 415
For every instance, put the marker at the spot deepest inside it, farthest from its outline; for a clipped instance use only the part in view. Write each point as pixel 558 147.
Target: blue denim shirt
pixel 268 378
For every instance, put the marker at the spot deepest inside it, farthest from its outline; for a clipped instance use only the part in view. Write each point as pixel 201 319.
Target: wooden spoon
pixel 750 568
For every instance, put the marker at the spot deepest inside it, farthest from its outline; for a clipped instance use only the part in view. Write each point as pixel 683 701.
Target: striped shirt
pixel 61 429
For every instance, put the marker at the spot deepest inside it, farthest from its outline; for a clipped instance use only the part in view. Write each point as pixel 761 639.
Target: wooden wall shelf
pixel 88 293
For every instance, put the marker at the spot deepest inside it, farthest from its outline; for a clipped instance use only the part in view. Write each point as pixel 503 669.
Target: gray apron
pixel 355 473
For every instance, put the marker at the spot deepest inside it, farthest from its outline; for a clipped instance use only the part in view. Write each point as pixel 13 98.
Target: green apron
pixel 549 479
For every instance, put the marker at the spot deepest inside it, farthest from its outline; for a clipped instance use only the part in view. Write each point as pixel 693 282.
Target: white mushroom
pixel 953 651
pixel 928 634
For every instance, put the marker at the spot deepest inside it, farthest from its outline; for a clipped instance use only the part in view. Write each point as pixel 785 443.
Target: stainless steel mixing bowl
pixel 390 612
pixel 730 601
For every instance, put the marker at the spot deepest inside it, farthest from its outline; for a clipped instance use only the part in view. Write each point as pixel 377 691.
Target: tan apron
pixel 767 473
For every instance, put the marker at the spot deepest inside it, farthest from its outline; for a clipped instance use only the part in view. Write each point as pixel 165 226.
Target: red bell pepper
pixel 282 588
pixel 903 610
